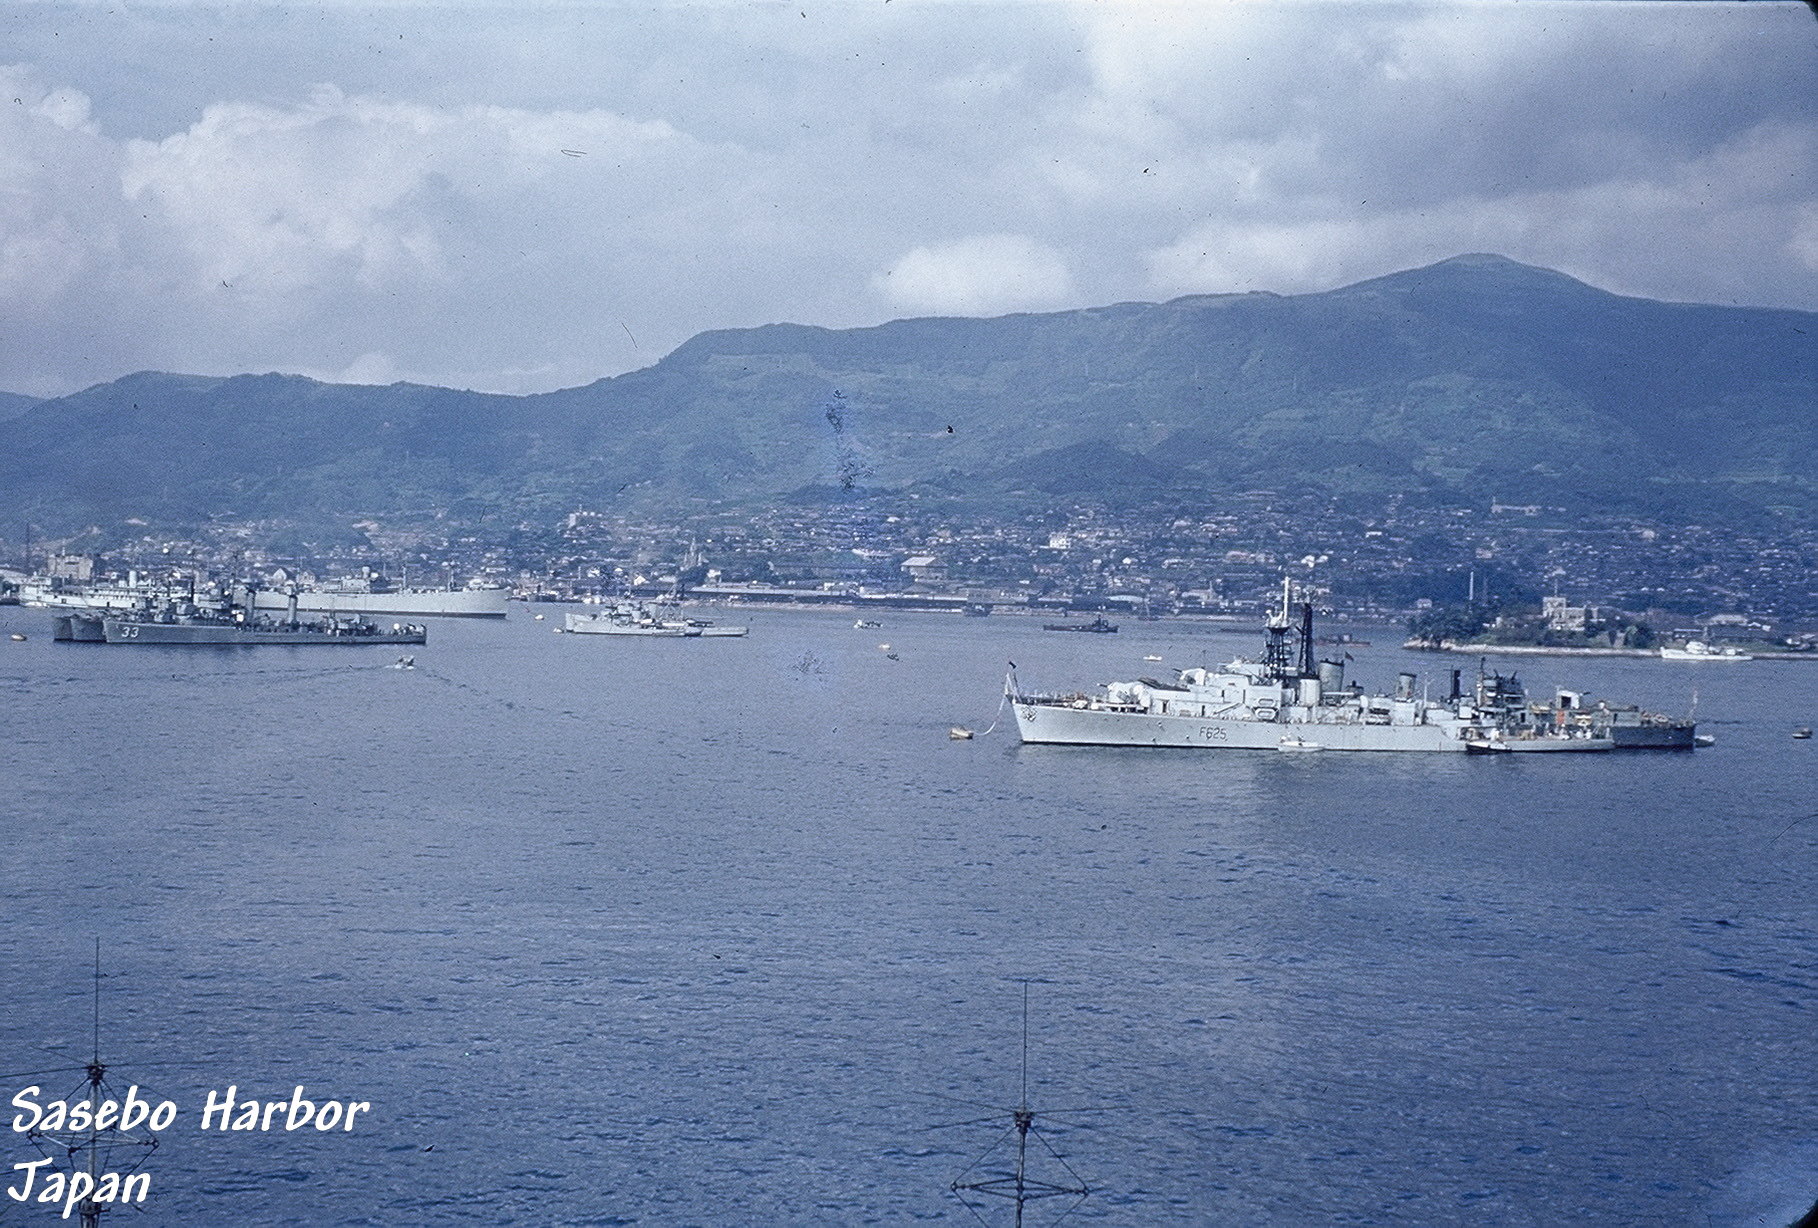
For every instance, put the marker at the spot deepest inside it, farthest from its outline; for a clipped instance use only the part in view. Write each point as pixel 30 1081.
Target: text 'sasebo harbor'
pixel 224 1110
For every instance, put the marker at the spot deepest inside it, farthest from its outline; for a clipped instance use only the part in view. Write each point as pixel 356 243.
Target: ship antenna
pixel 1018 1186
pixel 1024 1103
pixel 99 1143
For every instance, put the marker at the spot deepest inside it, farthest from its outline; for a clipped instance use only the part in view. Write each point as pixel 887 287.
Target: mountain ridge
pixel 1473 374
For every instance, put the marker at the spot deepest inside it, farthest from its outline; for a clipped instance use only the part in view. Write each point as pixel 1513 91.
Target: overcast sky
pixel 516 197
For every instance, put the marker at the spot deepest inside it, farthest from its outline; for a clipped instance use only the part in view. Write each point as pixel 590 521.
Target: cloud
pixel 1746 203
pixel 979 275
pixel 516 198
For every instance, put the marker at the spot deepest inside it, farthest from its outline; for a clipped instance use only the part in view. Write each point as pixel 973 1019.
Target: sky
pixel 520 197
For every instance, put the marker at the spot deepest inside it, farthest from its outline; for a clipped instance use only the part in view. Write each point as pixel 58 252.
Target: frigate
pixel 662 619
pixel 1291 701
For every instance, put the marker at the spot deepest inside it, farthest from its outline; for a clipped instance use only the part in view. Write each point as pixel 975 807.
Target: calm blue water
pixel 703 932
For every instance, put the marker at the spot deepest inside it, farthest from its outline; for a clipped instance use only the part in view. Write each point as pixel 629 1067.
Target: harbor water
pixel 726 932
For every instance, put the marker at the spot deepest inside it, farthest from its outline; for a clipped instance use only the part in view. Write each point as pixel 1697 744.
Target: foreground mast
pixel 1017 1185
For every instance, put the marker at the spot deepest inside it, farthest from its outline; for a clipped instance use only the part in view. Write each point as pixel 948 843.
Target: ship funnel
pixel 1457 691
pixel 1331 677
pixel 1404 686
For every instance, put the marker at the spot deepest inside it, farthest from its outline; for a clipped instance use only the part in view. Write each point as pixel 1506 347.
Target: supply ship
pixel 363 597
pixel 1290 700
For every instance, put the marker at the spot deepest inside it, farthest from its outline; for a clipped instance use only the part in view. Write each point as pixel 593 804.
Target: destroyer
pixel 231 622
pixel 1290 700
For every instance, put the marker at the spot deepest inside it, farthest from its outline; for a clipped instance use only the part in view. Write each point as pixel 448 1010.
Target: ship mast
pixel 1018 1186
pixel 1276 655
pixel 97 1145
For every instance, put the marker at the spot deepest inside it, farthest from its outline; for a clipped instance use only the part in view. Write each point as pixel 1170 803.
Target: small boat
pixel 1152 657
pixel 1802 733
pixel 866 624
pixel 1298 745
pixel 960 734
pixel 1703 739
pixel 17 638
pixel 540 617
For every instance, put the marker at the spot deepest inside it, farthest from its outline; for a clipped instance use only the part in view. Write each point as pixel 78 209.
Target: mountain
pixel 1471 378
pixel 12 405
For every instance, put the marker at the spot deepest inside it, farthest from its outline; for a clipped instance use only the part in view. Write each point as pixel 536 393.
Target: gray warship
pixel 234 620
pixel 1291 701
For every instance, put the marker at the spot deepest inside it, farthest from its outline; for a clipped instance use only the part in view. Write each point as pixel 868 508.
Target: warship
pixel 233 620
pixel 362 597
pixel 1291 701
pixel 663 619
pixel 1097 626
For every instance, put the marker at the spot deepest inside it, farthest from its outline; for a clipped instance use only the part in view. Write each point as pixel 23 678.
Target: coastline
pixel 1537 650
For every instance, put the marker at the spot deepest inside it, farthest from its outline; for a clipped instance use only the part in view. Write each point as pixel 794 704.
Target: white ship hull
pixel 419 602
pixel 1061 725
